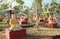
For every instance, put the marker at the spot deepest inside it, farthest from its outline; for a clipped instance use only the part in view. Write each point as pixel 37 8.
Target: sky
pixel 29 2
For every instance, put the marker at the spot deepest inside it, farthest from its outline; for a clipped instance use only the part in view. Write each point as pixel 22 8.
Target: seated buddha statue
pixel 50 19
pixel 14 23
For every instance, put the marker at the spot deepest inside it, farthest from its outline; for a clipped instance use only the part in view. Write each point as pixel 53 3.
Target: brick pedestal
pixel 14 34
pixel 54 25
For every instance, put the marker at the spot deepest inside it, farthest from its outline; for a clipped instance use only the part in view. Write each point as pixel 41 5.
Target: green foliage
pixel 1 1
pixel 39 1
pixel 46 6
pixel 17 8
pixel 39 6
pixel 20 6
pixel 1 9
pixel 26 11
pixel 54 6
pixel 5 6
pixel 20 2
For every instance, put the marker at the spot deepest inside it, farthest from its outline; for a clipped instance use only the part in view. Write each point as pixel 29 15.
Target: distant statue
pixel 46 19
pixel 50 19
pixel 23 20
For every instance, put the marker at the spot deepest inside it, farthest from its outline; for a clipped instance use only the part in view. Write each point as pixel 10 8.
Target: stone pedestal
pixel 10 34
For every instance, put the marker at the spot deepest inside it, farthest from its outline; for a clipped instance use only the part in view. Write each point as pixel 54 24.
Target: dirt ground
pixel 2 35
pixel 41 34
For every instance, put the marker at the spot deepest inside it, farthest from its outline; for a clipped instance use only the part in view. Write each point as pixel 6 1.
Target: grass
pixel 2 22
pixel 43 31
pixel 49 29
pixel 3 25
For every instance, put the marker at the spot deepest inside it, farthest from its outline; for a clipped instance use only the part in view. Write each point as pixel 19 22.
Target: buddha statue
pixel 50 19
pixel 14 23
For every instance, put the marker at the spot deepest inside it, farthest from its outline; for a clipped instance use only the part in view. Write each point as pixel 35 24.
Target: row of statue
pixel 15 22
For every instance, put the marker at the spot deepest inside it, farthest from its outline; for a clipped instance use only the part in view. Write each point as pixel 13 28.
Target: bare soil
pixel 32 33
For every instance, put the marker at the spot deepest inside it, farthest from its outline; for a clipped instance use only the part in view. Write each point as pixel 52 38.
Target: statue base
pixel 51 25
pixel 13 34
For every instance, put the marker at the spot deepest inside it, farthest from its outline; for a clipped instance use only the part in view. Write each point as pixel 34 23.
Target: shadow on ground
pixel 39 37
pixel 28 36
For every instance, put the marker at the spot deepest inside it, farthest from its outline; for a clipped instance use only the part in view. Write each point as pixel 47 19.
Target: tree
pixel 17 8
pixel 58 6
pixel 26 11
pixel 3 5
pixel 39 6
pixel 54 6
pixel 20 5
pixel 46 6
pixel 20 2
